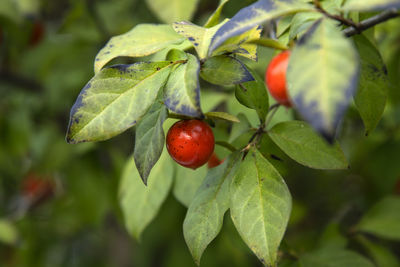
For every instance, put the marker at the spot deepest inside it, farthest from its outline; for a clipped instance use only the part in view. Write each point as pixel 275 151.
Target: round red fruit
pixel 214 161
pixel 190 143
pixel 275 78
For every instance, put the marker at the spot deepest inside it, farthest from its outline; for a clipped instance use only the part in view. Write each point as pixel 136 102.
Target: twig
pixel 272 110
pixel 368 23
pixel 341 19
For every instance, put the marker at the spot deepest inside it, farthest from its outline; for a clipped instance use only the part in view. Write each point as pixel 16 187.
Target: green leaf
pixel 27 7
pixel 176 54
pixel 222 116
pixel 254 95
pixel 169 11
pixel 322 76
pixel 225 70
pixel 182 91
pixel 142 40
pixel 214 18
pixel 334 258
pixel 205 215
pixel 374 84
pixel 253 15
pixel 140 203
pixel 9 10
pixel 149 139
pixel 210 99
pixel 239 128
pixel 186 183
pixel 260 206
pixel 271 43
pixel 383 219
pixel 300 142
pixel 8 232
pixel 370 5
pixel 301 22
pixel 115 99
pixel 241 45
pixel 381 255
pixel 199 36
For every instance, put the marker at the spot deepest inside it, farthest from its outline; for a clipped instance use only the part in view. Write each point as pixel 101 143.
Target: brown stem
pixel 368 23
pixel 341 19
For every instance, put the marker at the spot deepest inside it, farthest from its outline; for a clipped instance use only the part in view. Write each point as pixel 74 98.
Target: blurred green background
pixel 47 49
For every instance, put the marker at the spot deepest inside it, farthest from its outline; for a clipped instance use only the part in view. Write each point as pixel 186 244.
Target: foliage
pixel 311 186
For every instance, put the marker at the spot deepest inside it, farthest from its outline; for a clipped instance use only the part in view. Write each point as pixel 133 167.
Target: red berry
pixel 275 78
pixel 190 143
pixel 37 34
pixel 214 161
pixel 37 188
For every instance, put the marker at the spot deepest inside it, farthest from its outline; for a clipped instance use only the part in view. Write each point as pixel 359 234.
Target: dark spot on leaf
pixel 191 39
pixel 196 44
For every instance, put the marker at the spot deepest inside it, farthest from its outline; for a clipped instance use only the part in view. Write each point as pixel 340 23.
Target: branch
pixel 368 23
pixel 342 20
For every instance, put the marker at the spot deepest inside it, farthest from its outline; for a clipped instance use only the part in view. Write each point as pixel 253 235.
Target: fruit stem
pixel 226 145
pixel 272 110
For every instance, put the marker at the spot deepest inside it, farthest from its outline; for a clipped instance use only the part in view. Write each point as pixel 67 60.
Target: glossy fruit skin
pixel 275 78
pixel 214 161
pixel 190 143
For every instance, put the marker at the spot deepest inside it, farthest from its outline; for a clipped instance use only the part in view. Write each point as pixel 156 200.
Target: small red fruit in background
pixel 214 161
pixel 275 78
pixel 190 143
pixel 37 188
pixel 37 33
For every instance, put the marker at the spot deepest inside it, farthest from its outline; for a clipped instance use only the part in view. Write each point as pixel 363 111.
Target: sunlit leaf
pixel 260 206
pixel 241 45
pixel 115 99
pixel 322 76
pixel 142 40
pixel 199 36
pixel 253 15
